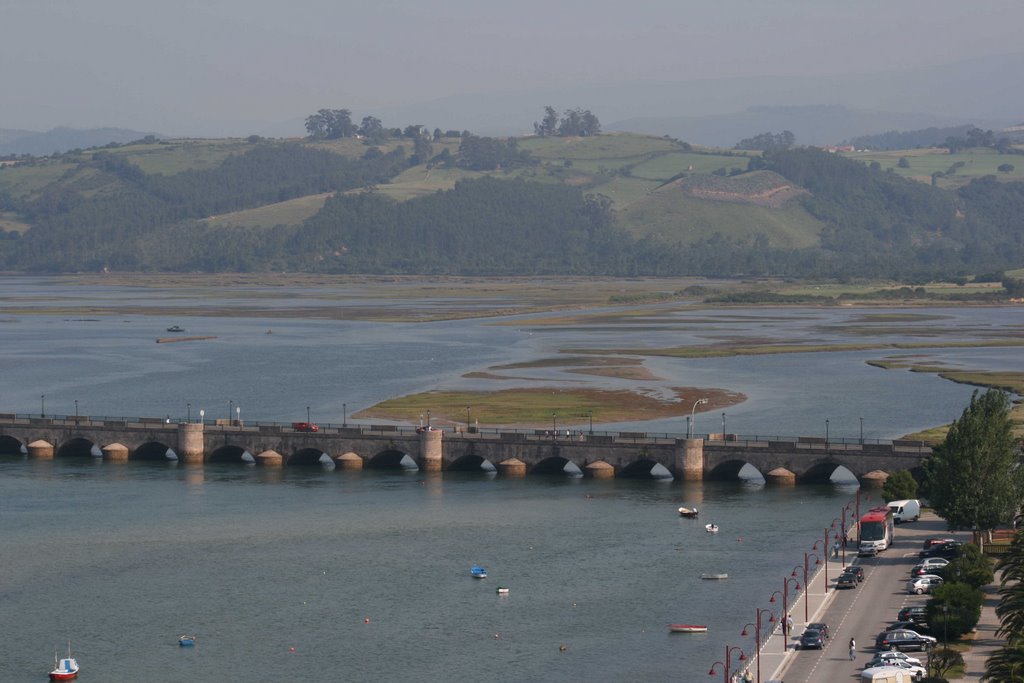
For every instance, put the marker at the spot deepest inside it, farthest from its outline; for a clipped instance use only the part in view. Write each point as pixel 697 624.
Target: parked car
pixel 903 639
pixel 918 626
pixel 912 613
pixel 888 655
pixel 811 639
pixel 929 542
pixel 924 584
pixel 305 427
pixel 948 550
pixel 846 581
pixel 931 565
pixel 916 670
pixel 819 626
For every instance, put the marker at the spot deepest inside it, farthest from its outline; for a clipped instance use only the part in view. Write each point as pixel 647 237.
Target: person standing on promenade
pixel 853 649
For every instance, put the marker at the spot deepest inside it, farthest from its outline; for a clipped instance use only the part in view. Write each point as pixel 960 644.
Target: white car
pixel 924 584
pixel 901 656
pixel 928 566
pixel 915 670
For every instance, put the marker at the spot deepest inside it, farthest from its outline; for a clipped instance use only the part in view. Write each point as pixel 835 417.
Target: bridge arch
pixel 644 469
pixel 391 459
pixel 154 451
pixel 730 470
pixel 311 457
pixel 472 463
pixel 79 447
pixel 556 464
pixel 232 454
pixel 11 446
pixel 825 471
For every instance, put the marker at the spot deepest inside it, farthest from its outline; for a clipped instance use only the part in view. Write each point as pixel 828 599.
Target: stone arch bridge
pixel 512 453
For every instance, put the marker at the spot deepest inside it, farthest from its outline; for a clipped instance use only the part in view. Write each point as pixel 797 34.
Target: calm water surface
pixel 123 559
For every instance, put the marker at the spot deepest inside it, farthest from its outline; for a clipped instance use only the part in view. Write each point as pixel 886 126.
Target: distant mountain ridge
pixel 63 139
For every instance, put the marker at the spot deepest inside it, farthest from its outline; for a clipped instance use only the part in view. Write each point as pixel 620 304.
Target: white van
pixel 905 510
pixel 886 674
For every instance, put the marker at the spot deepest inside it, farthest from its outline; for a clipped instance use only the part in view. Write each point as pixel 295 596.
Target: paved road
pixel 861 613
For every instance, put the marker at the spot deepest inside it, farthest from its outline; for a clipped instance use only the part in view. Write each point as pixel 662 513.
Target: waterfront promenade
pixel 863 612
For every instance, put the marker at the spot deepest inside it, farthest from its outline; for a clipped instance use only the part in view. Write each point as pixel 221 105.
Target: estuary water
pixel 310 575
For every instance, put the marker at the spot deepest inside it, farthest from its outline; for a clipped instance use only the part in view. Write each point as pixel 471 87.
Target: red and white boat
pixel 687 628
pixel 64 669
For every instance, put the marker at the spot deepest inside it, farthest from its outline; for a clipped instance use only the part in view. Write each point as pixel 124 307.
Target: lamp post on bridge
pixel 42 405
pixel 238 415
pixel 344 415
pixel 467 420
pixel 554 427
pixel 202 416
pixel 692 420
pixel 230 405
pixel 307 415
pixel 826 432
pixel 723 426
pixel 590 414
pixel 862 431
pixel 757 637
pixel 76 411
pixel 188 412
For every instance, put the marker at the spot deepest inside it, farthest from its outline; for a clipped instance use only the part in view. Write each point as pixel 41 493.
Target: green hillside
pixel 630 204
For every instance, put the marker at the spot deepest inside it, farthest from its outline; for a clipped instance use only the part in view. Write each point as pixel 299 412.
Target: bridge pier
pixel 191 445
pixel 40 450
pixel 689 459
pixel 430 450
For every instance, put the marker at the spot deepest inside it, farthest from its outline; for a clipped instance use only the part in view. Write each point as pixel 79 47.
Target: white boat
pixel 478 572
pixel 502 590
pixel 186 641
pixel 714 577
pixel 687 628
pixel 711 528
pixel 64 669
pixel 690 513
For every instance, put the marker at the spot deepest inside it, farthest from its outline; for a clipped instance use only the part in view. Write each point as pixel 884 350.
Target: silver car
pixel 924 584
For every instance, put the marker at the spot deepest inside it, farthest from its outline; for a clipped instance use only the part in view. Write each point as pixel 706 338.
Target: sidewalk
pixel 776 650
pixel 985 641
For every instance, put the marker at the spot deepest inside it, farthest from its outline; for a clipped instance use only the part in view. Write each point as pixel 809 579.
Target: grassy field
pixel 22 180
pixel 923 162
pixel 672 213
pixel 291 212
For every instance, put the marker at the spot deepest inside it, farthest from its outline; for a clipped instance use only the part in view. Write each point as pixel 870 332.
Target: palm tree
pixel 1007 664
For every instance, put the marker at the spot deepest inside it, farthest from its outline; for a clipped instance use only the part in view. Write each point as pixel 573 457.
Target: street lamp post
pixel 76 411
pixel 238 415
pixel 862 430
pixel 723 426
pixel 554 426
pixel 467 420
pixel 785 608
pixel 230 406
pixel 824 551
pixel 826 432
pixel 945 619
pixel 428 420
pixel 188 412
pixel 692 422
pixel 590 414
pixel 807 586
pixel 202 416
pixel 344 415
pixel 725 664
pixel 307 415
pixel 42 405
pixel 757 637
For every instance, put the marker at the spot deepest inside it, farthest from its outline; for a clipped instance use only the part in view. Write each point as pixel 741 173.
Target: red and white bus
pixel 876 531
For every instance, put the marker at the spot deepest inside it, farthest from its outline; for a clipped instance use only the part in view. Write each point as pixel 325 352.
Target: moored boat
pixel 714 577
pixel 690 513
pixel 64 669
pixel 502 590
pixel 175 328
pixel 186 641
pixel 687 628
pixel 711 528
pixel 478 572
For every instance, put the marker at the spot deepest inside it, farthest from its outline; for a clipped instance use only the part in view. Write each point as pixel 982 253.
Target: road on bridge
pixel 863 612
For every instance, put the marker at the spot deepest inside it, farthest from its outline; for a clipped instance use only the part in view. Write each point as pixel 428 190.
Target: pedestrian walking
pixel 853 649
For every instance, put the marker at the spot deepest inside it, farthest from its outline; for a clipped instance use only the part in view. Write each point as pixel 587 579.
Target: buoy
pixel 563 647
pixel 495 636
pixel 366 620
pixel 291 649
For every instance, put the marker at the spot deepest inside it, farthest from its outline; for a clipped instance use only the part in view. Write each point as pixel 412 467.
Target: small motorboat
pixel 711 528
pixel 64 669
pixel 478 572
pixel 714 577
pixel 687 628
pixel 175 328
pixel 689 513
pixel 502 590
pixel 186 641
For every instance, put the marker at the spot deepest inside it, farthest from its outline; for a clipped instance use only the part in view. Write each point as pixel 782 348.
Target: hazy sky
pixel 235 66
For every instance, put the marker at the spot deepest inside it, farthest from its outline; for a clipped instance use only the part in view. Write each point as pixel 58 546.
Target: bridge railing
pixel 477 432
